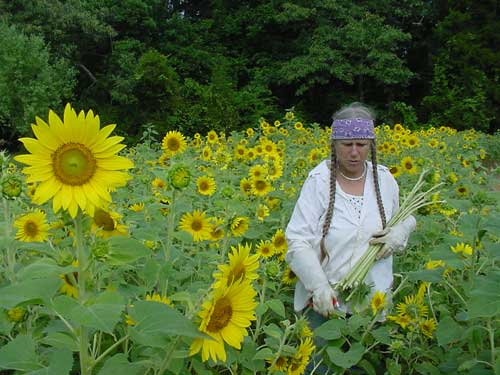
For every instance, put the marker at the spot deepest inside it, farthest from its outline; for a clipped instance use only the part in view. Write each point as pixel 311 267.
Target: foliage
pixel 31 80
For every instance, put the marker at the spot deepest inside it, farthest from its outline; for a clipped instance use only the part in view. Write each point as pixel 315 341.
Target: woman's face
pixel 351 155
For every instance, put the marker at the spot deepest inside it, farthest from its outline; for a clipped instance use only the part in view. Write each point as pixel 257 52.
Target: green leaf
pixel 434 275
pixel 60 363
pixel 331 329
pixel 273 330
pixel 19 354
pixel 393 367
pixel 448 331
pixel 125 250
pixel 348 359
pixel 367 366
pixel 119 364
pixel 61 340
pixel 5 324
pixel 42 268
pixel 29 290
pixel 101 313
pixel 277 306
pixel 154 317
pixel 382 335
pixel 265 353
pixel 484 300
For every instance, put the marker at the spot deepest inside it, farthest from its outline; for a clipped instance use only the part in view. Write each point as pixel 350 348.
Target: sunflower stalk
pixel 82 257
pixel 415 200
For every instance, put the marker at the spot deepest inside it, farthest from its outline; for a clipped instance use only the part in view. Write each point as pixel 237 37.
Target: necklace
pixel 355 178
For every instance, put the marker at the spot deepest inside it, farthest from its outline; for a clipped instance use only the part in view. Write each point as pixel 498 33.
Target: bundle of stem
pixel 415 200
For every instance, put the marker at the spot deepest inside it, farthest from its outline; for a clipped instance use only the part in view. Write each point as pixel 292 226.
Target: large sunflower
pixel 197 225
pixel 74 161
pixel 32 227
pixel 301 358
pixel 225 317
pixel 242 266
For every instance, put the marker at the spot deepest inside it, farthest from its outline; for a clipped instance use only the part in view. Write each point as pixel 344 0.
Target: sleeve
pixel 303 233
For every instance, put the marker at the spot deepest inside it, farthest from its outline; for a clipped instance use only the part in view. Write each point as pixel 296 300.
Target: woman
pixel 344 205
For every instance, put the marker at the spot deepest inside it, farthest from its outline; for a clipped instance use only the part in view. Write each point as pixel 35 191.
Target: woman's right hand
pixel 324 300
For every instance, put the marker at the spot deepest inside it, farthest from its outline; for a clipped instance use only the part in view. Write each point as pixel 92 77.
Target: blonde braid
pixel 380 204
pixel 331 201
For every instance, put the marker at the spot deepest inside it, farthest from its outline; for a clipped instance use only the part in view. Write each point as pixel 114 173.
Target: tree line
pixel 156 65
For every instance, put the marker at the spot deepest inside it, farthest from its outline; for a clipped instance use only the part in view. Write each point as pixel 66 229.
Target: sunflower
pixel 257 171
pixel 217 231
pixel 402 320
pixel 412 307
pixel 260 187
pixel 32 227
pixel 239 225
pixel 279 240
pixel 105 224
pixel 179 177
pixel 246 186
pixel 212 137
pixel 298 125
pixel 462 248
pixel 241 266
pixel 69 286
pixel 197 225
pixel 427 327
pixel 262 212
pixel 74 161
pixel 462 191
pixel 206 153
pixel 206 185
pixel 239 152
pixel 158 183
pixel 265 249
pixel 16 314
pixel 155 297
pixel 408 165
pixel 281 364
pixel 136 207
pixel 378 302
pixel 225 316
pixel 173 143
pixel 289 277
pixel 395 170
pixel 301 358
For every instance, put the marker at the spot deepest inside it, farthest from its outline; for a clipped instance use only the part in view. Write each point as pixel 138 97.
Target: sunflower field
pixel 168 258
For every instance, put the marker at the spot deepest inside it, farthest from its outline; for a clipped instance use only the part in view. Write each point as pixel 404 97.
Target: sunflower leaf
pixel 155 318
pixel 124 250
pixel 19 354
pixel 38 289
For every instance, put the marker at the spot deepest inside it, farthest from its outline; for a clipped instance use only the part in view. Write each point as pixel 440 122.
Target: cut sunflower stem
pixel 413 201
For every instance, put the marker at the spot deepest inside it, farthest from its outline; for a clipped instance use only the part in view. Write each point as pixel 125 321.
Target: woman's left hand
pixel 394 238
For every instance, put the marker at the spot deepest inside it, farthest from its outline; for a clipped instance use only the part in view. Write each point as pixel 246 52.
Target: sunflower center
pixel 30 228
pixel 260 185
pixel 74 164
pixel 408 165
pixel 279 241
pixel 173 144
pixel 223 311
pixel 237 273
pixel 103 220
pixel 196 225
pixel 204 186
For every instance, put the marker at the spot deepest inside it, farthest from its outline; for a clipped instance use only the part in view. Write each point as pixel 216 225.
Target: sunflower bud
pixel 11 187
pixel 16 314
pixel 272 269
pixel 179 177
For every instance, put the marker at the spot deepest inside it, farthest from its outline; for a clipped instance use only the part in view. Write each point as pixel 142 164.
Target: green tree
pixel 31 81
pixel 465 91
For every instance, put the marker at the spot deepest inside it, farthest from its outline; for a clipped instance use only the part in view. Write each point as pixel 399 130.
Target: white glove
pixel 394 238
pixel 324 300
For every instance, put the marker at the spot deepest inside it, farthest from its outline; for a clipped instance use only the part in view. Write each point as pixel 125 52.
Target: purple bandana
pixel 355 128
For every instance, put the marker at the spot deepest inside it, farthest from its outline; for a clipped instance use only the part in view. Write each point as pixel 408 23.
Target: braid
pixel 380 204
pixel 331 201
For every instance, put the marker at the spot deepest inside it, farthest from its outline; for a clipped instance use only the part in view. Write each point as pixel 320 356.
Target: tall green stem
pixel 82 256
pixel 10 251
pixel 170 227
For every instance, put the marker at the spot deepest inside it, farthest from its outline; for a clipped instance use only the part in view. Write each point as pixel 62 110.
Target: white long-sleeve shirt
pixel 347 237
